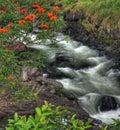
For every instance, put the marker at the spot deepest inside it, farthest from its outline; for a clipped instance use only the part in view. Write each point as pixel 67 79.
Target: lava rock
pixel 62 57
pixel 107 103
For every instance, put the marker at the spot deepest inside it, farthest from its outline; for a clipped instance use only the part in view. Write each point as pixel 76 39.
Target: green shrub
pixel 47 118
pixel 8 68
pixel 116 124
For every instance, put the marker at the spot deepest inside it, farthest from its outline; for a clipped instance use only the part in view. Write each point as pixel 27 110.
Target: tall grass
pixel 105 13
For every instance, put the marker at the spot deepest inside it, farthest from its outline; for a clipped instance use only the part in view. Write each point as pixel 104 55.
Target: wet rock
pixel 107 103
pixel 23 75
pixel 28 73
pixel 61 57
pixel 32 72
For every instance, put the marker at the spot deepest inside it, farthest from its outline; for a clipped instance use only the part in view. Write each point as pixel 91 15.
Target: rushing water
pixel 84 74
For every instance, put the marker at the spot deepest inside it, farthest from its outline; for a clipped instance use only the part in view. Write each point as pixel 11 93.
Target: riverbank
pixel 96 24
pixel 45 89
pixel 78 33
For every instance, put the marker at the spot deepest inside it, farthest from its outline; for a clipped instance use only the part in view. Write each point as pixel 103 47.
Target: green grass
pixel 104 12
pixel 99 13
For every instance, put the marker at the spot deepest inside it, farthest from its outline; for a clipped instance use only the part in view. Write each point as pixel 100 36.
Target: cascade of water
pixel 84 74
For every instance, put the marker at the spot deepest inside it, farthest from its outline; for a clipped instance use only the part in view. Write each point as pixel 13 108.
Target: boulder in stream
pixel 107 103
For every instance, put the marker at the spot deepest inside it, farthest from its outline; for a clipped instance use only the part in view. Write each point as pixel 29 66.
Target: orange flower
pixel 54 18
pixel 56 8
pixel 33 16
pixel 23 10
pixel 50 14
pixel 1 30
pixel 9 77
pixel 30 17
pixel 47 26
pixel 10 24
pixel 35 5
pixel 44 26
pixel 3 10
pixel 41 10
pixel 22 22
pixel 8 48
pixel 4 30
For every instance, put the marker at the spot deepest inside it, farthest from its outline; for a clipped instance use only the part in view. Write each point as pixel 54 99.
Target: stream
pixel 85 75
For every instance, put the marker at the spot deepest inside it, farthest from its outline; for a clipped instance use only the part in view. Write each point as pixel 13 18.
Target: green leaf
pixel 38 111
pixel 16 118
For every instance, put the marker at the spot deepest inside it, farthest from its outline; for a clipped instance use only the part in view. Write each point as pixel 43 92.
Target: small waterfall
pixel 85 75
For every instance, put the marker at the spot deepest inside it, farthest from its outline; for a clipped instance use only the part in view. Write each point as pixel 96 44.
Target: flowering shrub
pixel 19 18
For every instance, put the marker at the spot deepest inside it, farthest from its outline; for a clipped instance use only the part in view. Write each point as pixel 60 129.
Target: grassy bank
pixel 104 12
pixel 102 16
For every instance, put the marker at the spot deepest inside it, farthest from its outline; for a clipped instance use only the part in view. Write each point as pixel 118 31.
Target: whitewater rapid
pixel 83 73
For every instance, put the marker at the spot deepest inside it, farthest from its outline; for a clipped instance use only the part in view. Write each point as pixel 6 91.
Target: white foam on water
pixel 89 82
pixel 107 117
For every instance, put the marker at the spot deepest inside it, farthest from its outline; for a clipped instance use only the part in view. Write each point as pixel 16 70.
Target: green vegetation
pixel 17 20
pixel 8 58
pixel 100 16
pixel 105 13
pixel 116 125
pixel 32 58
pixel 47 118
pixel 23 94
